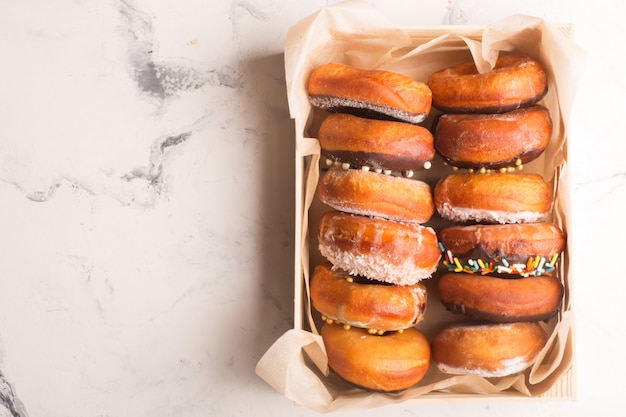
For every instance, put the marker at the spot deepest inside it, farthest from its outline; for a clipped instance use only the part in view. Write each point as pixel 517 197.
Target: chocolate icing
pixel 479 252
pixel 493 317
pixel 377 160
pixel 524 157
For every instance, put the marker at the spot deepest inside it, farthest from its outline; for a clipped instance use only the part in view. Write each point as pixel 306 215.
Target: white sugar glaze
pixel 375 266
pixel 463 214
pixel 507 367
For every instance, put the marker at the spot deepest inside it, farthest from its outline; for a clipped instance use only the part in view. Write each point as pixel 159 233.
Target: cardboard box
pixel 356 34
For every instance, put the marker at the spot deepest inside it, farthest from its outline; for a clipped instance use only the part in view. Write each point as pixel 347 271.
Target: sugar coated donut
pixel 493 198
pixel 516 81
pixel 493 141
pixel 371 194
pixel 391 362
pixel 379 249
pixel 372 93
pixel 488 350
pixel 502 300
pixel 379 145
pixel 359 302
pixel 526 249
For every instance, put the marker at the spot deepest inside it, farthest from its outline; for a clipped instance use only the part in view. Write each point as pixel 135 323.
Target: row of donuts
pixel 369 291
pixel 500 252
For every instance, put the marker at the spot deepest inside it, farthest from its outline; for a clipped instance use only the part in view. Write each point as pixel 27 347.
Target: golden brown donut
pixel 375 144
pixel 364 303
pixel 525 249
pixel 378 249
pixel 493 141
pixel 502 300
pixel 392 362
pixel 493 198
pixel 369 93
pixel 516 81
pixel 488 350
pixel 371 194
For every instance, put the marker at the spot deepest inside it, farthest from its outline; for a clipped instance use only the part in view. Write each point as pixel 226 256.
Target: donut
pixel 525 249
pixel 378 249
pixel 371 194
pixel 493 198
pixel 392 362
pixel 379 145
pixel 501 300
pixel 487 350
pixel 493 141
pixel 369 93
pixel 516 81
pixel 364 303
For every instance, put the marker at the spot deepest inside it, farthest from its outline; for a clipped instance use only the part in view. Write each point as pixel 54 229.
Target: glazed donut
pixel 378 249
pixel 375 144
pixel 392 362
pixel 371 194
pixel 493 141
pixel 488 350
pixel 363 303
pixel 493 198
pixel 369 93
pixel 525 249
pixel 515 81
pixel 501 300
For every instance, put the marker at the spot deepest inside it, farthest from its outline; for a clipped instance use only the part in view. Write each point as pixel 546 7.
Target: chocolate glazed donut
pixel 493 141
pixel 502 300
pixel 525 249
pixel 376 144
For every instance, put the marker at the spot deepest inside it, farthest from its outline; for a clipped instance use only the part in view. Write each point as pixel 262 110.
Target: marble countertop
pixel 147 189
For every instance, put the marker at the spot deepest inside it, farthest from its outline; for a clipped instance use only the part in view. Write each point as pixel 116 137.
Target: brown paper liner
pixel 355 33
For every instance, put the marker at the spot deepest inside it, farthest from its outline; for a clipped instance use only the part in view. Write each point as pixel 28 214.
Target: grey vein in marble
pixel 163 77
pixel 154 172
pixel 163 83
pixel 9 401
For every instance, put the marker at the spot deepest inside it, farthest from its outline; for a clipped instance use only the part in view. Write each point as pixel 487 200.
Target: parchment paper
pixel 355 33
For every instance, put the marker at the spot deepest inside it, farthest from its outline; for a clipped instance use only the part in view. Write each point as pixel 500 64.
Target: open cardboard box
pixel 354 33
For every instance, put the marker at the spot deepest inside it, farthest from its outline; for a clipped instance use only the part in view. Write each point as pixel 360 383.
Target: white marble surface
pixel 146 183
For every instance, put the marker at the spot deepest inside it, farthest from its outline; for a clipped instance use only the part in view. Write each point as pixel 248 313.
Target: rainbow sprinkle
pixel 535 265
